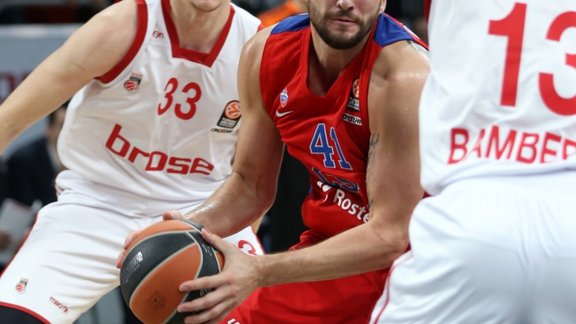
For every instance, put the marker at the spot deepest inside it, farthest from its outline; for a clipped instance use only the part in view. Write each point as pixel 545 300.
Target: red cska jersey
pixel 329 134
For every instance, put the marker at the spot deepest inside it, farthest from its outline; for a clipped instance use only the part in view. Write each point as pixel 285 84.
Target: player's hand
pixel 234 284
pixel 165 216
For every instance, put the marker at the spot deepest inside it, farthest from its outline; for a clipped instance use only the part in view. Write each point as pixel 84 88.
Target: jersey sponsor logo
pixel 347 204
pixel 352 119
pixel 510 144
pixel 155 160
pixel 59 304
pixel 282 114
pixel 335 181
pixel 354 99
pixel 132 85
pixel 158 34
pixel 21 285
pixel 283 98
pixel 221 131
pixel 231 115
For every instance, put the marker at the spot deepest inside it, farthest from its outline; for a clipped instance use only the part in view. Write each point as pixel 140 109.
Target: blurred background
pixel 32 29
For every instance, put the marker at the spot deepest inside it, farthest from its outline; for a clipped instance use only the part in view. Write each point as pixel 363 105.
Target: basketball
pixel 159 259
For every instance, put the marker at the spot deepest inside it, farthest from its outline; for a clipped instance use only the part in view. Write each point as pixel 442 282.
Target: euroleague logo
pixel 232 110
pixel 231 115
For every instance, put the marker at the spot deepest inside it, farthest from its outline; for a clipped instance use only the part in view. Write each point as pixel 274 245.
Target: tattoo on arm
pixel 369 168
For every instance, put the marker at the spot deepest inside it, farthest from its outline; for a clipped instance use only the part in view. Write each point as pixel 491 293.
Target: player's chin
pixel 207 5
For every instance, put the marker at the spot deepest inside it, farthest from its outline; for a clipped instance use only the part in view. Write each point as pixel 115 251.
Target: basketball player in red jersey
pixel 340 88
pixel 152 126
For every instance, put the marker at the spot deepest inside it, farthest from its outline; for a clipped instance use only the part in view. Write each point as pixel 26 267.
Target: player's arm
pixel 393 182
pixel 251 188
pixel 89 52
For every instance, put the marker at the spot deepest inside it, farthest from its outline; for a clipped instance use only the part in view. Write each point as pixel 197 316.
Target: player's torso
pixel 501 98
pixel 166 126
pixel 328 133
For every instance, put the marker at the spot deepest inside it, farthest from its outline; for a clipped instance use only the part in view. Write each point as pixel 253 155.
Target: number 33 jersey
pixel 501 96
pixel 163 123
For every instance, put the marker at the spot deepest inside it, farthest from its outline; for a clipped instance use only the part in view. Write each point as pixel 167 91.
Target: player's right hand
pixel 165 216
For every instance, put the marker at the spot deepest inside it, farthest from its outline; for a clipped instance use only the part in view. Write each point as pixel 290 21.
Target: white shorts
pixel 500 250
pixel 67 263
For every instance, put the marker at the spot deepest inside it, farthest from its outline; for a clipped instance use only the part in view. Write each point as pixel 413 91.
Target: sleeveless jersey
pixel 498 102
pixel 162 125
pixel 328 134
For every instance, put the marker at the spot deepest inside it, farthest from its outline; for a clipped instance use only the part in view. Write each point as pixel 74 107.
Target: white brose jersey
pixel 498 102
pixel 162 125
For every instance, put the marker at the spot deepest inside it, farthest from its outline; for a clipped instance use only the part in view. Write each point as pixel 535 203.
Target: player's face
pixel 343 24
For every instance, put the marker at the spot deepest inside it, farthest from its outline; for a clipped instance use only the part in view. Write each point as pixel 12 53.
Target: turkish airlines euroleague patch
pixel 231 115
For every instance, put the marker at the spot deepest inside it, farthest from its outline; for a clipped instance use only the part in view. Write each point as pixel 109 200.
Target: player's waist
pixel 131 198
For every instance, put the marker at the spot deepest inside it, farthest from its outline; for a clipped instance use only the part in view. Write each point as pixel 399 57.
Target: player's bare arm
pixel 393 170
pixel 251 188
pixel 91 51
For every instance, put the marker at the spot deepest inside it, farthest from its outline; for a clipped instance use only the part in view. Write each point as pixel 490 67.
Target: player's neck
pixel 198 29
pixel 326 63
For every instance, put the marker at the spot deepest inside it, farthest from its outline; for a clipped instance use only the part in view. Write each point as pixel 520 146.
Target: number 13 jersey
pixel 498 102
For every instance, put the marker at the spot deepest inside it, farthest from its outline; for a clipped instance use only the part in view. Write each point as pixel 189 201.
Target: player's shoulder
pixel 292 24
pixel 403 59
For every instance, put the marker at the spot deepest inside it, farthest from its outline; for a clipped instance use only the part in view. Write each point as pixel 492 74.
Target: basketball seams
pixel 176 253
pixel 149 236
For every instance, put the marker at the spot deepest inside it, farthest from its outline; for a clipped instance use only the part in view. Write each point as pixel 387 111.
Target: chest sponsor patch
pixel 352 119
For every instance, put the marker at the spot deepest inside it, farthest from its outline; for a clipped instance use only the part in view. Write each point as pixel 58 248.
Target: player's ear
pixel 382 6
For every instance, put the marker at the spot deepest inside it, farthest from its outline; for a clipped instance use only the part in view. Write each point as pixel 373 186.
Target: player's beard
pixel 333 38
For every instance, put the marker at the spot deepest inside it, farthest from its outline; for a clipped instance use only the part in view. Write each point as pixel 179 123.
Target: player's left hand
pixel 234 284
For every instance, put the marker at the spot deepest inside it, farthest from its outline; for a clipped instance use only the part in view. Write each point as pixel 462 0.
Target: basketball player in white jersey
pixel 152 127
pixel 496 241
